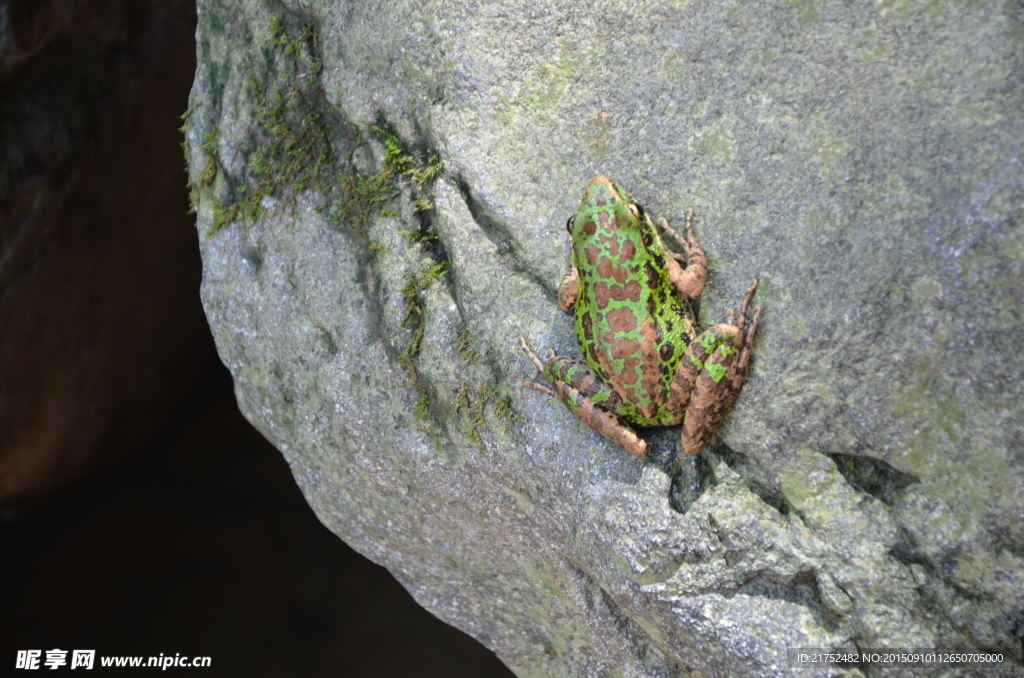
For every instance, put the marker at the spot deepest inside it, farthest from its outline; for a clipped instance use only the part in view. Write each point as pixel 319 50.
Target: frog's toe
pixel 748 296
pixel 748 338
pixel 531 355
pixel 539 387
pixel 663 224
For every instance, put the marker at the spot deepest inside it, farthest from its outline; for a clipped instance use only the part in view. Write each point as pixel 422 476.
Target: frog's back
pixel 631 325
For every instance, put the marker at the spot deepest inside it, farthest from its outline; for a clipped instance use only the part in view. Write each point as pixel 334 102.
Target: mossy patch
pixel 290 151
pixel 303 142
pixel 414 320
pixel 868 45
pixel 365 196
pixel 326 339
pixel 893 198
pixel 465 344
pixel 474 404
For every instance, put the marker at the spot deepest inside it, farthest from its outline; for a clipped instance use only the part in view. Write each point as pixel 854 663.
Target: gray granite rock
pixel 862 160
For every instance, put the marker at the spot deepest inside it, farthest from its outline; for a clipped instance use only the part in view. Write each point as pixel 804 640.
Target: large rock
pixel 864 161
pixel 101 334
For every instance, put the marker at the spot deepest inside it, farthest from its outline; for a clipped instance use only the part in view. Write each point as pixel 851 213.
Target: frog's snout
pixel 600 192
pixel 599 185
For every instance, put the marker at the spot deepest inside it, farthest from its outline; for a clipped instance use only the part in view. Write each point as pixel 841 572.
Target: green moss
pixel 808 479
pixel 925 289
pixel 377 248
pixel 208 173
pixel 597 132
pixel 465 344
pixel 870 44
pixel 904 10
pixel 979 112
pixel 414 319
pixel 893 198
pixel 294 154
pixel 222 214
pixel 765 55
pixel 291 151
pixel 422 409
pixel 473 407
pixel 366 196
pixel 186 127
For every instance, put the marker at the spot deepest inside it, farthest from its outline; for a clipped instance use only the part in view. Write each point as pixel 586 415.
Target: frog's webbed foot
pixel 689 281
pixel 586 396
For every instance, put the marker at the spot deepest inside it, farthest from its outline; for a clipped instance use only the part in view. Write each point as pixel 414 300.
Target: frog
pixel 643 361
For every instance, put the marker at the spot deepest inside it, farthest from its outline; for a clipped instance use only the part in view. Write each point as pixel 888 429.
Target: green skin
pixel 643 361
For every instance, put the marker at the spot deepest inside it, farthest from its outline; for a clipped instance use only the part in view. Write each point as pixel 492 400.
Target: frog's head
pixel 606 207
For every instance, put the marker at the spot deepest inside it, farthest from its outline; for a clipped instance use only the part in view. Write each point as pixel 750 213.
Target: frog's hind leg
pixel 724 353
pixel 691 280
pixel 585 395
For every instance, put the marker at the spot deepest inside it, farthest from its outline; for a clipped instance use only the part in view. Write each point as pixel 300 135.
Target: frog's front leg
pixel 710 375
pixel 569 288
pixel 585 395
pixel 691 280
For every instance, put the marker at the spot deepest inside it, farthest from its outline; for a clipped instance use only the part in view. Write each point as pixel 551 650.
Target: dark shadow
pixel 873 476
pixel 202 544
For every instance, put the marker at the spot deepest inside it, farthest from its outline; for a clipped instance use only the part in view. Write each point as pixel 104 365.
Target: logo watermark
pixel 33 660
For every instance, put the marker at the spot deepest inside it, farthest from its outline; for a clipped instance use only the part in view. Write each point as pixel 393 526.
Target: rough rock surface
pixel 101 333
pixel 863 160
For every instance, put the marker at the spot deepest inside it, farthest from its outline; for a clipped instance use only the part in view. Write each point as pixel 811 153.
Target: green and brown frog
pixel 643 360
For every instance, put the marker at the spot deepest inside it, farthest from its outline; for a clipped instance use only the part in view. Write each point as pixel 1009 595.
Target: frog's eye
pixel 637 210
pixel 569 223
